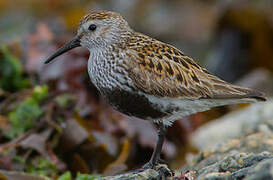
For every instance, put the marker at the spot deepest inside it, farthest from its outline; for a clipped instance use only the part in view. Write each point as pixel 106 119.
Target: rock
pixel 148 174
pixel 253 143
pixel 234 165
pixel 236 159
pixel 161 171
pixel 237 146
pixel 217 176
pixel 255 118
pixel 263 170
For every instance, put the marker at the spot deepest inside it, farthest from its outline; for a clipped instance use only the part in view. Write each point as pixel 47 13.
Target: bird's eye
pixel 92 27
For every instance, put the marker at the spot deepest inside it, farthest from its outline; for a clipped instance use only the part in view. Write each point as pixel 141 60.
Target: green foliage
pixel 87 177
pixel 23 117
pixel 43 167
pixel 40 92
pixel 65 176
pixel 65 100
pixel 19 159
pixel 11 72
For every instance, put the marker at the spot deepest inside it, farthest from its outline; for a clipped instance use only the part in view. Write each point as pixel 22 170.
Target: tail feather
pixel 241 93
pixel 250 93
pixel 221 89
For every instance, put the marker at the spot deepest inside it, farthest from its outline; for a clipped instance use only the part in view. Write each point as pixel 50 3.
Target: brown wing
pixel 162 70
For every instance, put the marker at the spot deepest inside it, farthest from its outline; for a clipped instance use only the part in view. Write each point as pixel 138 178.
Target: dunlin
pixel 146 78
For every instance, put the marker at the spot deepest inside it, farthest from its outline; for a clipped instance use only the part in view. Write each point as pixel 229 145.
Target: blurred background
pixel 53 120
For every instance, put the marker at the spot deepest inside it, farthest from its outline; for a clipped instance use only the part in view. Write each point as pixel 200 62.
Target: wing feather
pixel 162 70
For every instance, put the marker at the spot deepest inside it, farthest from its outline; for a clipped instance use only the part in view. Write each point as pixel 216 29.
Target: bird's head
pixel 97 29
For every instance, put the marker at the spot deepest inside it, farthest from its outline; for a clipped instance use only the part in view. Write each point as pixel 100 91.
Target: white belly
pixel 185 107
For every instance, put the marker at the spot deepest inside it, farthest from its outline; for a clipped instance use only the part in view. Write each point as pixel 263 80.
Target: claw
pixel 149 165
pixel 162 169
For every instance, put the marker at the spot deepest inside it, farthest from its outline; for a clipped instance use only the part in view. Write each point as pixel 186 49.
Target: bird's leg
pixel 157 151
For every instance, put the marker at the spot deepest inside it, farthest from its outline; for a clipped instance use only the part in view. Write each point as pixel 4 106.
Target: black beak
pixel 72 44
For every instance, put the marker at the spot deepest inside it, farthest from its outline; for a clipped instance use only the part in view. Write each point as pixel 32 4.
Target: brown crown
pixel 99 15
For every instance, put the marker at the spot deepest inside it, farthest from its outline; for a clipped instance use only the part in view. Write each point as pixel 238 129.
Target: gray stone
pixel 161 171
pixel 255 118
pixel 232 164
pixel 264 170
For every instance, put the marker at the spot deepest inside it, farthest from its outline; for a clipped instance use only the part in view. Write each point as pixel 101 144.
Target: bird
pixel 147 79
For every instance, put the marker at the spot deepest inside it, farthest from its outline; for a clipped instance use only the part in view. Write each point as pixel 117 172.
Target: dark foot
pixel 146 166
pixel 161 161
pixel 162 169
pixel 164 172
pixel 149 165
